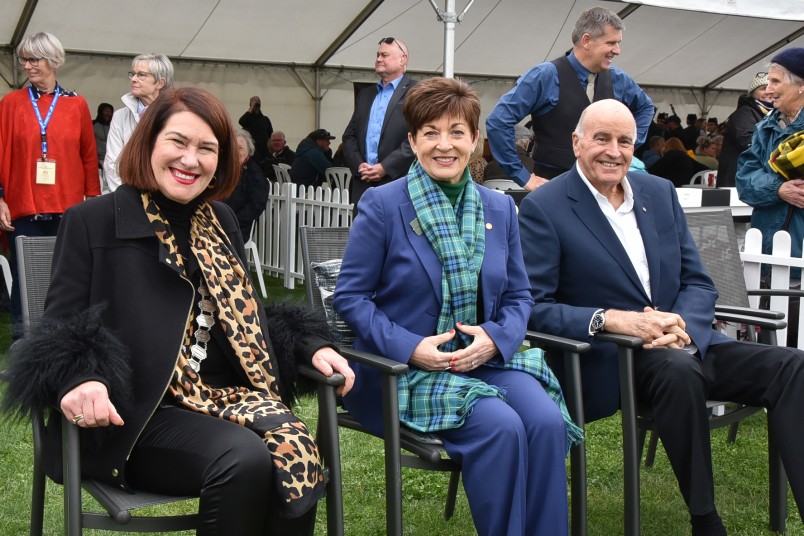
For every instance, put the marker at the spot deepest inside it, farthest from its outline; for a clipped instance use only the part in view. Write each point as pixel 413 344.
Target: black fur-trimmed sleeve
pixel 296 332
pixel 61 354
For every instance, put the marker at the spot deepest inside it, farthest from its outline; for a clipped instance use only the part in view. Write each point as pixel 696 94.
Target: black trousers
pixel 677 384
pixel 185 453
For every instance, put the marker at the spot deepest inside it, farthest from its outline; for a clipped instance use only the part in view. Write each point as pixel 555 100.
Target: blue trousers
pixel 512 454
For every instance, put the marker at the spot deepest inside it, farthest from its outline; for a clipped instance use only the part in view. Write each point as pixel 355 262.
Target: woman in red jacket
pixel 48 160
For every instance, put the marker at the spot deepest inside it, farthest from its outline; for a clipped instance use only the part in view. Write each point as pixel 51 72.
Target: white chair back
pixel 339 177
pixel 282 172
pixel 707 178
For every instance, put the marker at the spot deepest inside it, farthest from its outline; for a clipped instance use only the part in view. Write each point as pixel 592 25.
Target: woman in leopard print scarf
pixel 175 371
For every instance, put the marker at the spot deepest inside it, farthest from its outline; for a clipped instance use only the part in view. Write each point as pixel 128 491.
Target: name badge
pixel 45 172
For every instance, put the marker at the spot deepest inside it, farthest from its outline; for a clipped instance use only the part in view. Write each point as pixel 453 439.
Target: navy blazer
pixel 393 151
pixel 389 288
pixel 577 265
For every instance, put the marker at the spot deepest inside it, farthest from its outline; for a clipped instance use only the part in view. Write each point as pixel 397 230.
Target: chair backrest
pixel 282 172
pixel 320 244
pixel 339 177
pixel 713 232
pixel 34 257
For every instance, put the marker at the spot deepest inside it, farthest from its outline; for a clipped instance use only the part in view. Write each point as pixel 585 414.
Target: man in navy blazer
pixel 375 143
pixel 606 251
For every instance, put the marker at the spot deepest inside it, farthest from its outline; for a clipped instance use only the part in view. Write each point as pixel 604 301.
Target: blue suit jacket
pixel 577 265
pixel 389 288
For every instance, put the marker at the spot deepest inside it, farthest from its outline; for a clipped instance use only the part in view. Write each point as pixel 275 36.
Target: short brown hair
pixel 135 160
pixel 438 97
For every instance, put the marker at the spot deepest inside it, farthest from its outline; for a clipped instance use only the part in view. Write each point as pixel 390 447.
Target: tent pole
pixel 317 98
pixel 449 39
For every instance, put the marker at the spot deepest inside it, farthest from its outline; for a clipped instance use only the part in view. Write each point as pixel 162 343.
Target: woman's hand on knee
pixel 327 361
pixel 88 406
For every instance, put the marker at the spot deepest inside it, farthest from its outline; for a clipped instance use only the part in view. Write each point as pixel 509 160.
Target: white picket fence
pixel 780 263
pixel 290 207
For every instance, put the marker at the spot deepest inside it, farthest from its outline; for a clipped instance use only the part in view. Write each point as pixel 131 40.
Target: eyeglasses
pixel 140 75
pixel 391 40
pixel 33 61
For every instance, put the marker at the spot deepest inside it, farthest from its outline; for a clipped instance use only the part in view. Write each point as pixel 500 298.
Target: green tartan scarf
pixel 788 158
pixel 433 401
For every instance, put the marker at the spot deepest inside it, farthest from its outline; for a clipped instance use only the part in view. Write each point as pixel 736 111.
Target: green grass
pixel 740 472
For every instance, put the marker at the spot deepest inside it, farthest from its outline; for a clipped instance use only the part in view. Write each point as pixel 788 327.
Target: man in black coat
pixel 375 143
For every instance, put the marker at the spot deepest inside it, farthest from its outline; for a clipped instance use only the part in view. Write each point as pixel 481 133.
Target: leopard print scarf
pixel 298 475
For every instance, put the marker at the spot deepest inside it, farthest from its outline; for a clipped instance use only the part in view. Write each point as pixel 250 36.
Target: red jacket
pixel 71 143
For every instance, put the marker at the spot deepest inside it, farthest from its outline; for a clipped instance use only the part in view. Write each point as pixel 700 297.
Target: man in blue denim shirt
pixel 555 93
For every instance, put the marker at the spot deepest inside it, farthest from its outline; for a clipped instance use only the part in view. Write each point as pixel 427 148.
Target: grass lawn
pixel 740 472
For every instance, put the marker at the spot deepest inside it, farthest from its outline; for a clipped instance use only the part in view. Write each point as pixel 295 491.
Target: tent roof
pixel 497 38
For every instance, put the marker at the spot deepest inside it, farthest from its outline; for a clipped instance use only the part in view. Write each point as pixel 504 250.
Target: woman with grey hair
pixel 47 141
pixel 777 192
pixel 250 197
pixel 149 74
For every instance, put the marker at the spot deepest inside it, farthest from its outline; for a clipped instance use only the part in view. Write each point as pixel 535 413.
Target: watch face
pixel 597 322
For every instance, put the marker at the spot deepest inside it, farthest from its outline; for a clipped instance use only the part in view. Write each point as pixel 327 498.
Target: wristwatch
pixel 598 321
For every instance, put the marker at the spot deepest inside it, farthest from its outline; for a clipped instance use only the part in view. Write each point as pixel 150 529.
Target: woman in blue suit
pixel 433 277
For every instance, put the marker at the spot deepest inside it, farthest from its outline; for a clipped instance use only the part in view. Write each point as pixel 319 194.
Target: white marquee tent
pixel 302 56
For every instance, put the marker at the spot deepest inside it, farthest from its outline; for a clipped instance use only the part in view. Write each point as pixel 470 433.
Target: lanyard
pixel 43 124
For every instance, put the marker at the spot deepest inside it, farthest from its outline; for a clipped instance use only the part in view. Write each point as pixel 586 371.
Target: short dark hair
pixel 438 97
pixel 135 160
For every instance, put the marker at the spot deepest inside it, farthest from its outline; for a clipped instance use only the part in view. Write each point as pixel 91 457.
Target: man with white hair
pixel 610 251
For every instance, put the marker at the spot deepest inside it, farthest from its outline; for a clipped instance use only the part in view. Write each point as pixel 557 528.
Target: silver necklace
pixel 204 321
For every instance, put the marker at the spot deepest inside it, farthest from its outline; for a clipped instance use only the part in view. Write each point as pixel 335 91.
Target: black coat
pixel 117 313
pixel 739 130
pixel 676 166
pixel 250 197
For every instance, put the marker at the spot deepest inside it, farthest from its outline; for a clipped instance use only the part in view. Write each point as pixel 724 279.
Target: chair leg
pixel 630 452
pixel 653 444
pixel 393 458
pixel 452 494
pixel 732 437
pixel 72 478
pixel 578 489
pixel 330 450
pixel 38 488
pixel 777 478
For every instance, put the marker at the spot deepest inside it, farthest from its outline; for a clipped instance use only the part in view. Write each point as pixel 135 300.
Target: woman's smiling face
pixel 185 157
pixel 443 147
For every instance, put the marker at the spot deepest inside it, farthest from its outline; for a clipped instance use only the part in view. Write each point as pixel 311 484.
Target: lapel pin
pixel 644 209
pixel 417 228
pixel 489 226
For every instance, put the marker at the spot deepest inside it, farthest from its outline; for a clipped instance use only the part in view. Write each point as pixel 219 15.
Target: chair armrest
pixel 748 311
pixel 753 321
pixel 790 292
pixel 310 372
pixel 383 364
pixel 559 343
pixel 626 341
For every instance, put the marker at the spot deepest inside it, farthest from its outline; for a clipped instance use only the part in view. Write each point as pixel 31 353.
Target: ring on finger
pixel 78 418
